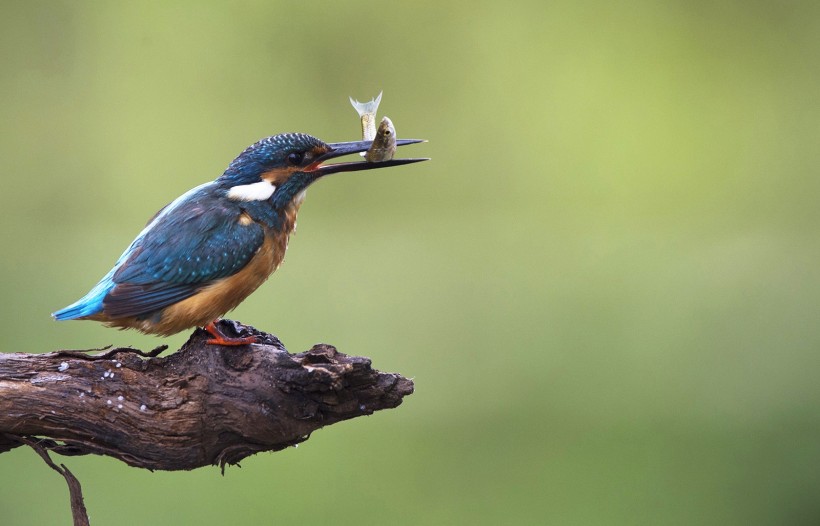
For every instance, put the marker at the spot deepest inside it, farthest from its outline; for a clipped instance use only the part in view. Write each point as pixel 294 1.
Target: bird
pixel 205 252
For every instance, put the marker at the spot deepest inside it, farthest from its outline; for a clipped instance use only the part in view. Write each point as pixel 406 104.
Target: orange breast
pixel 216 299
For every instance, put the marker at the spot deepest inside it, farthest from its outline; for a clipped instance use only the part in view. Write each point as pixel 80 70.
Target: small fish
pixel 367 113
pixel 384 144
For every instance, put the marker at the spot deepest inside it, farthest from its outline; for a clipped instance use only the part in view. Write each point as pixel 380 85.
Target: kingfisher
pixel 204 253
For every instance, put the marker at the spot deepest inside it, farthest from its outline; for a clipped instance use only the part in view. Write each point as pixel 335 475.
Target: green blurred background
pixel 605 283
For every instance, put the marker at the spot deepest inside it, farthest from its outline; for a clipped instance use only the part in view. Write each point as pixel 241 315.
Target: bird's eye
pixel 295 158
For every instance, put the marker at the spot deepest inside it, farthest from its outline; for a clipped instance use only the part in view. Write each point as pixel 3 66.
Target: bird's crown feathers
pixel 269 153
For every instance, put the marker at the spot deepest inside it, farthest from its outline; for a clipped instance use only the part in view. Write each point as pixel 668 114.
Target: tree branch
pixel 75 491
pixel 203 405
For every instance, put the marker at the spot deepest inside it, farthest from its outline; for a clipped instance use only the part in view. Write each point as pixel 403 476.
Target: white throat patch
pixel 260 191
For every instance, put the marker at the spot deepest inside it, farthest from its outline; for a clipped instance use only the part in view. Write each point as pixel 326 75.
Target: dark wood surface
pixel 200 406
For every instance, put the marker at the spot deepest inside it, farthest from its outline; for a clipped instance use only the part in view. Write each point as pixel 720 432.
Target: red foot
pixel 221 339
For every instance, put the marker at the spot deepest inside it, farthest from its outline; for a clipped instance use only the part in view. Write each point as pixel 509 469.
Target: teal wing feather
pixel 178 254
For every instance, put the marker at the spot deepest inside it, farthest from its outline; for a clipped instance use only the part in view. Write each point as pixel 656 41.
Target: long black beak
pixel 339 149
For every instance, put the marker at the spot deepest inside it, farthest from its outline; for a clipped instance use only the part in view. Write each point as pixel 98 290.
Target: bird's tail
pixel 72 312
pixel 91 303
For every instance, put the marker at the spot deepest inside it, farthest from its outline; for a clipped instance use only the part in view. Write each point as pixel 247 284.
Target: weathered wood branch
pixel 79 514
pixel 202 405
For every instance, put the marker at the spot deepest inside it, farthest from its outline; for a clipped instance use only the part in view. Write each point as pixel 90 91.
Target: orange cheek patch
pixel 277 176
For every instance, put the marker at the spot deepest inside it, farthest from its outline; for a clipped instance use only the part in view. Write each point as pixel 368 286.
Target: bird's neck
pixel 280 224
pixel 280 219
pixel 287 215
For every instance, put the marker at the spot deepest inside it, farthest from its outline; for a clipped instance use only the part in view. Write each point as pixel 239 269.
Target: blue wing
pixel 195 240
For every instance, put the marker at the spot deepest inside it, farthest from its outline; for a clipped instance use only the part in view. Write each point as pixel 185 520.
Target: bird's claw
pixel 231 341
pixel 221 339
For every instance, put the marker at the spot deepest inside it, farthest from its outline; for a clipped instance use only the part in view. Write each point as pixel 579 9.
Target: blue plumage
pixel 201 255
pixel 192 242
pixel 91 303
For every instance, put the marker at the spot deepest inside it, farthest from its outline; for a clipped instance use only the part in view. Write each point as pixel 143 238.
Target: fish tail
pixel 366 108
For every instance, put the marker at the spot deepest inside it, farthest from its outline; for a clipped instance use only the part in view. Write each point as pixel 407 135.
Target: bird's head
pixel 279 168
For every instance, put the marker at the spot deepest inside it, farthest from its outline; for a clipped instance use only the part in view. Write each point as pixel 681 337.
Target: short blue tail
pixel 76 310
pixel 91 303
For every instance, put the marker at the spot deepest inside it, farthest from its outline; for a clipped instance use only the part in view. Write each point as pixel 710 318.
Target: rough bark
pixel 202 405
